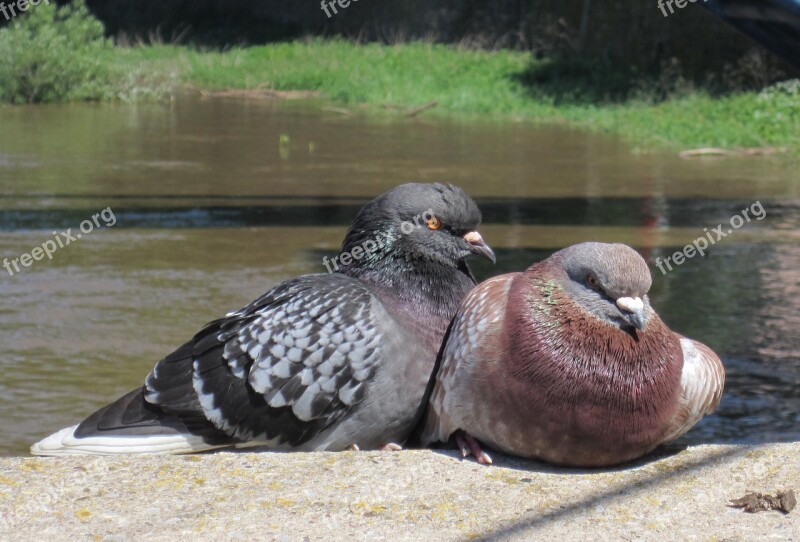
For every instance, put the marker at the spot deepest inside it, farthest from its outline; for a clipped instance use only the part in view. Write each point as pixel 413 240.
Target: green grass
pixel 769 118
pixel 486 84
pixel 462 81
pixel 56 55
pixel 61 55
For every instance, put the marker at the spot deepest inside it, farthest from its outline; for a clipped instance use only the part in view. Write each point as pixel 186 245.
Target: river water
pixel 215 200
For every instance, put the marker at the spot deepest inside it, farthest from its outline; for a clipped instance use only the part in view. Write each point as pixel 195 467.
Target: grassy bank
pixel 488 83
pixel 35 55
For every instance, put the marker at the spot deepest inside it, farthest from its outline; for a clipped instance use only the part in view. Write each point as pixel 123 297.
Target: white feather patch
pixel 64 443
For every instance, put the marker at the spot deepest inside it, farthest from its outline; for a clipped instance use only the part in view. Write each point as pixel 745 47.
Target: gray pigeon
pixel 320 362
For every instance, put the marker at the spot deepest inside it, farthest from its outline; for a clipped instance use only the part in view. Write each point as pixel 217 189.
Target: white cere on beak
pixel 474 238
pixel 634 305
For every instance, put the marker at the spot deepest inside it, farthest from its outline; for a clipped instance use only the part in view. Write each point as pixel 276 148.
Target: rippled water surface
pixel 216 200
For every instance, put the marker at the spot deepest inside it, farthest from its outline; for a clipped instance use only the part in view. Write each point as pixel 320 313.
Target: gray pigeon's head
pixel 419 224
pixel 610 281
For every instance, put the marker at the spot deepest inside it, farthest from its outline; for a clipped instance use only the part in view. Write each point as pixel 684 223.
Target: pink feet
pixel 391 447
pixel 470 446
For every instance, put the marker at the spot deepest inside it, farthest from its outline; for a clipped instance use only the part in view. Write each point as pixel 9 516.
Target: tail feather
pixel 65 442
pixel 131 425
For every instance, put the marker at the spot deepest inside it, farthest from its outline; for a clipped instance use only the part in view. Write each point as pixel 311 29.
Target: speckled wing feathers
pixel 479 315
pixel 280 370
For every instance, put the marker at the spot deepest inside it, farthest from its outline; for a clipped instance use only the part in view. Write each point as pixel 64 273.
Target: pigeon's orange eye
pixel 433 223
pixel 592 281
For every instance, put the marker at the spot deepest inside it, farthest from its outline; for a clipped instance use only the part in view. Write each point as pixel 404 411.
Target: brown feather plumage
pixel 529 371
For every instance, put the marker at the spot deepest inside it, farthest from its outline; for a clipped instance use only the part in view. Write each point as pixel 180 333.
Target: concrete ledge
pixel 408 495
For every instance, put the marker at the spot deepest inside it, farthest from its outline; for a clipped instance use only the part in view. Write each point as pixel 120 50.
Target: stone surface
pixel 407 495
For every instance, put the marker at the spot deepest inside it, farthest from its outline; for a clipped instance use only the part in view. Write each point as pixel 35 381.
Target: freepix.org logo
pixel 701 244
pixel 20 6
pixel 329 6
pixel 59 241
pixel 369 246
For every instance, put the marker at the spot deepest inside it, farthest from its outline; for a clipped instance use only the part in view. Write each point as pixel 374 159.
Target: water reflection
pixel 251 211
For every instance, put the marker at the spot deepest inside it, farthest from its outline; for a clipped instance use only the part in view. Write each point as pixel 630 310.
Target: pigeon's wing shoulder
pixel 702 382
pixel 281 370
pixel 469 342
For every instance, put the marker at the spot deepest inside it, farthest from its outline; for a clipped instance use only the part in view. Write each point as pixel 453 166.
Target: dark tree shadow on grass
pixel 581 81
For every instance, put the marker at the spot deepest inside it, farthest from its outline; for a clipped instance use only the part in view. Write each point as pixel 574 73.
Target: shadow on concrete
pixel 531 465
pixel 528 525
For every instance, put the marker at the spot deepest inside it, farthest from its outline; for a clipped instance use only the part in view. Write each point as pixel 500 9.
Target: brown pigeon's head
pixel 610 281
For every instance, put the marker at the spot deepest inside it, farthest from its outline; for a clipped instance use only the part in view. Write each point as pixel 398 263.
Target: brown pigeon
pixel 567 362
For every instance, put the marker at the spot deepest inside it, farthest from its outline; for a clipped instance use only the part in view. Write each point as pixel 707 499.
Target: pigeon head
pixel 610 281
pixel 417 225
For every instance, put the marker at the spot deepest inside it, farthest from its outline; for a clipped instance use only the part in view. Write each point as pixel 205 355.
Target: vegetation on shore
pixel 59 55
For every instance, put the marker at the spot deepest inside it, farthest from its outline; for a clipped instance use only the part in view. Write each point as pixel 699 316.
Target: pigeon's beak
pixel 633 308
pixel 479 246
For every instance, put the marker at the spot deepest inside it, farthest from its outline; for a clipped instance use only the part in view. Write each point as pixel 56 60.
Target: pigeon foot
pixel 469 445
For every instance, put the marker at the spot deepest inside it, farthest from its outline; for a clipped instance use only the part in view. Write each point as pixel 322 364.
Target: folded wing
pixel 702 382
pixel 277 373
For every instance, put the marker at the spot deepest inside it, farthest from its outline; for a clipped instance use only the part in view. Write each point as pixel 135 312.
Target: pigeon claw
pixel 469 445
pixel 390 447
